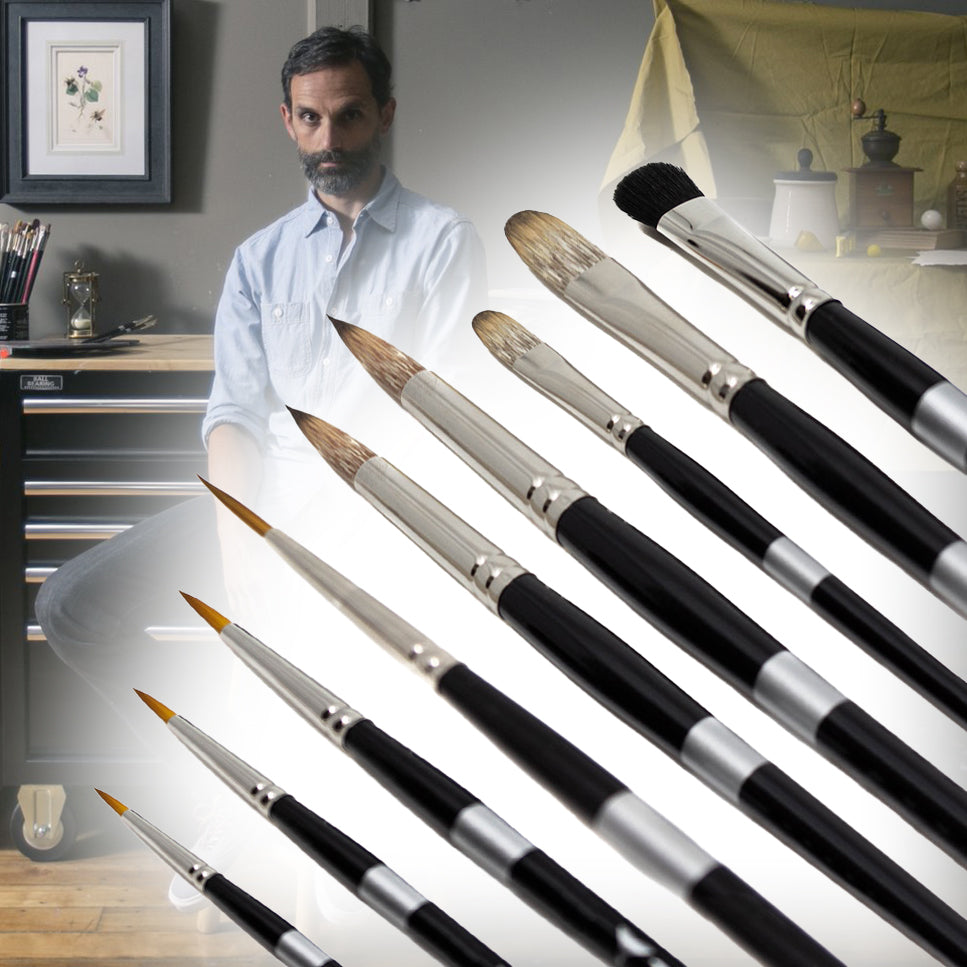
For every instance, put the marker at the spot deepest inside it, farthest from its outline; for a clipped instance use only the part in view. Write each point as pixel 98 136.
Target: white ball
pixel 931 220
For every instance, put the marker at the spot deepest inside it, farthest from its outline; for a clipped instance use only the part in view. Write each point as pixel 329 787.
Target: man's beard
pixel 354 167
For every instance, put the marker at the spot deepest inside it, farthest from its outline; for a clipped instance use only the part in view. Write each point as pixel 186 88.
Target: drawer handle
pixel 72 532
pixel 80 404
pixel 110 488
pixel 158 632
pixel 37 575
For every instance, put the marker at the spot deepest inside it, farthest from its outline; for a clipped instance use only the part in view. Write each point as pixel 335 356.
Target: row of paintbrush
pixel 665 592
pixel 21 249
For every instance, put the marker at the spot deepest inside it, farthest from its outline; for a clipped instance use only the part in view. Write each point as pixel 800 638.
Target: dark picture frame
pixel 86 113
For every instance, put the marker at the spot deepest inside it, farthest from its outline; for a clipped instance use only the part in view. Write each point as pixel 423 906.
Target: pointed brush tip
pixel 162 711
pixel 249 517
pixel 117 806
pixel 216 620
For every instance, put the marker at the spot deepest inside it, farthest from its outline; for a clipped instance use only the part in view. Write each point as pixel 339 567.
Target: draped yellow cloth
pixel 732 89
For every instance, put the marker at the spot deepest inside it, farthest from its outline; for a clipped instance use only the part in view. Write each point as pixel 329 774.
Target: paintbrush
pixel 609 669
pixel 662 196
pixel 596 797
pixel 277 936
pixel 674 859
pixel 722 510
pixel 33 265
pixel 823 464
pixel 453 812
pixel 352 865
pixel 676 600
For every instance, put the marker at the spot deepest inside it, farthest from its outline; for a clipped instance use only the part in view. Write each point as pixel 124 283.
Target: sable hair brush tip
pixel 506 338
pixel 162 711
pixel 239 509
pixel 216 620
pixel 649 192
pixel 390 367
pixel 118 807
pixel 551 249
pixel 344 454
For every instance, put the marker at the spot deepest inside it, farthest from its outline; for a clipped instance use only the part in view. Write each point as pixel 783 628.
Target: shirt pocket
pixel 287 338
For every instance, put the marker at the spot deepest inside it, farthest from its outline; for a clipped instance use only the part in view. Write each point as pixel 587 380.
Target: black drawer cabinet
pixel 89 447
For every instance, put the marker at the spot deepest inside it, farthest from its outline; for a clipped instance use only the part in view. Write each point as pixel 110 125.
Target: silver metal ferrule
pixel 940 421
pixel 317 705
pixel 699 226
pixel 257 790
pixel 948 577
pixel 535 487
pixel 620 304
pixel 185 863
pixel 551 374
pixel 384 626
pixel 465 554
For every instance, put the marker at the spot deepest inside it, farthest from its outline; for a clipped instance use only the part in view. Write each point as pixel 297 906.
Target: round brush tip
pixel 117 806
pixel 216 620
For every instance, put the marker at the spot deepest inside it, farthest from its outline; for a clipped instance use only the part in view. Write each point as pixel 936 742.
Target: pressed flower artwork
pixel 87 98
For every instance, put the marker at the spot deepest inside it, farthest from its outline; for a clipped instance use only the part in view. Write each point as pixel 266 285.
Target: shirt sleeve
pixel 240 390
pixel 455 290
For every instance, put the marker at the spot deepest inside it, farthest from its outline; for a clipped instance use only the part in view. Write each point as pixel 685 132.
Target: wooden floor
pixel 108 906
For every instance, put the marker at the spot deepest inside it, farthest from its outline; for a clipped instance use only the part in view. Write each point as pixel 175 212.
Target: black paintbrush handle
pixel 755 924
pixel 600 662
pixel 883 640
pixel 799 820
pixel 365 875
pixel 891 376
pixel 846 483
pixel 702 494
pixel 741 526
pixel 259 922
pixel 575 778
pixel 470 826
pixel 670 595
pixel 931 801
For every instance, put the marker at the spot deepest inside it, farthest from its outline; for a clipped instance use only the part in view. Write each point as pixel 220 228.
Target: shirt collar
pixel 382 208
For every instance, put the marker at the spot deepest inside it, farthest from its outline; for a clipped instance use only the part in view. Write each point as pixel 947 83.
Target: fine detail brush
pixel 674 598
pixel 662 196
pixel 358 870
pixel 835 474
pixel 722 510
pixel 276 935
pixel 597 798
pixel 671 857
pixel 621 679
pixel 450 810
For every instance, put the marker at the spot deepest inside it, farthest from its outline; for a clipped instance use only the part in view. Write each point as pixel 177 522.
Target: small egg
pixel 873 250
pixel 932 220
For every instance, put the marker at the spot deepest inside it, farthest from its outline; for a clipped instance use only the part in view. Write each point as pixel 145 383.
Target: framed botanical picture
pixel 86 106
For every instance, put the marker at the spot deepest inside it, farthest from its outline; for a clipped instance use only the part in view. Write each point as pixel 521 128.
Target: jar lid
pixel 804 173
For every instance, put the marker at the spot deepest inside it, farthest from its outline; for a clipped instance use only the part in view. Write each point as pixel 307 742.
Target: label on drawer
pixel 42 383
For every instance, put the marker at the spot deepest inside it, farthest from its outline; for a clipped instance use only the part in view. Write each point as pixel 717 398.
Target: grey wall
pixel 503 105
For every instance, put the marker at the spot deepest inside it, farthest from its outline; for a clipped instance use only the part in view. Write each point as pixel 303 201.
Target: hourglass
pixel 80 294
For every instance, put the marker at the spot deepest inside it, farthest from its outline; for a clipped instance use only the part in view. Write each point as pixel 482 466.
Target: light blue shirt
pixel 413 274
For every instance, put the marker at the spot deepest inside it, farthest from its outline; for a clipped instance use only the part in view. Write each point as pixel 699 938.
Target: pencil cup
pixel 13 320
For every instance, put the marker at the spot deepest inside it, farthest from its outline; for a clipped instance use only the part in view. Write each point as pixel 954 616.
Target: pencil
pixel 722 510
pixel 835 474
pixel 351 864
pixel 276 935
pixel 577 781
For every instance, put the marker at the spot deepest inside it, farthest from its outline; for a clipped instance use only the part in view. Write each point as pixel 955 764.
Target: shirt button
pixel 325 361
pixel 328 258
pixel 389 300
pixel 277 312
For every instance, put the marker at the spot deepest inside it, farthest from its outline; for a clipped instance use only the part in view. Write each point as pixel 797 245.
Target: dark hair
pixel 332 47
